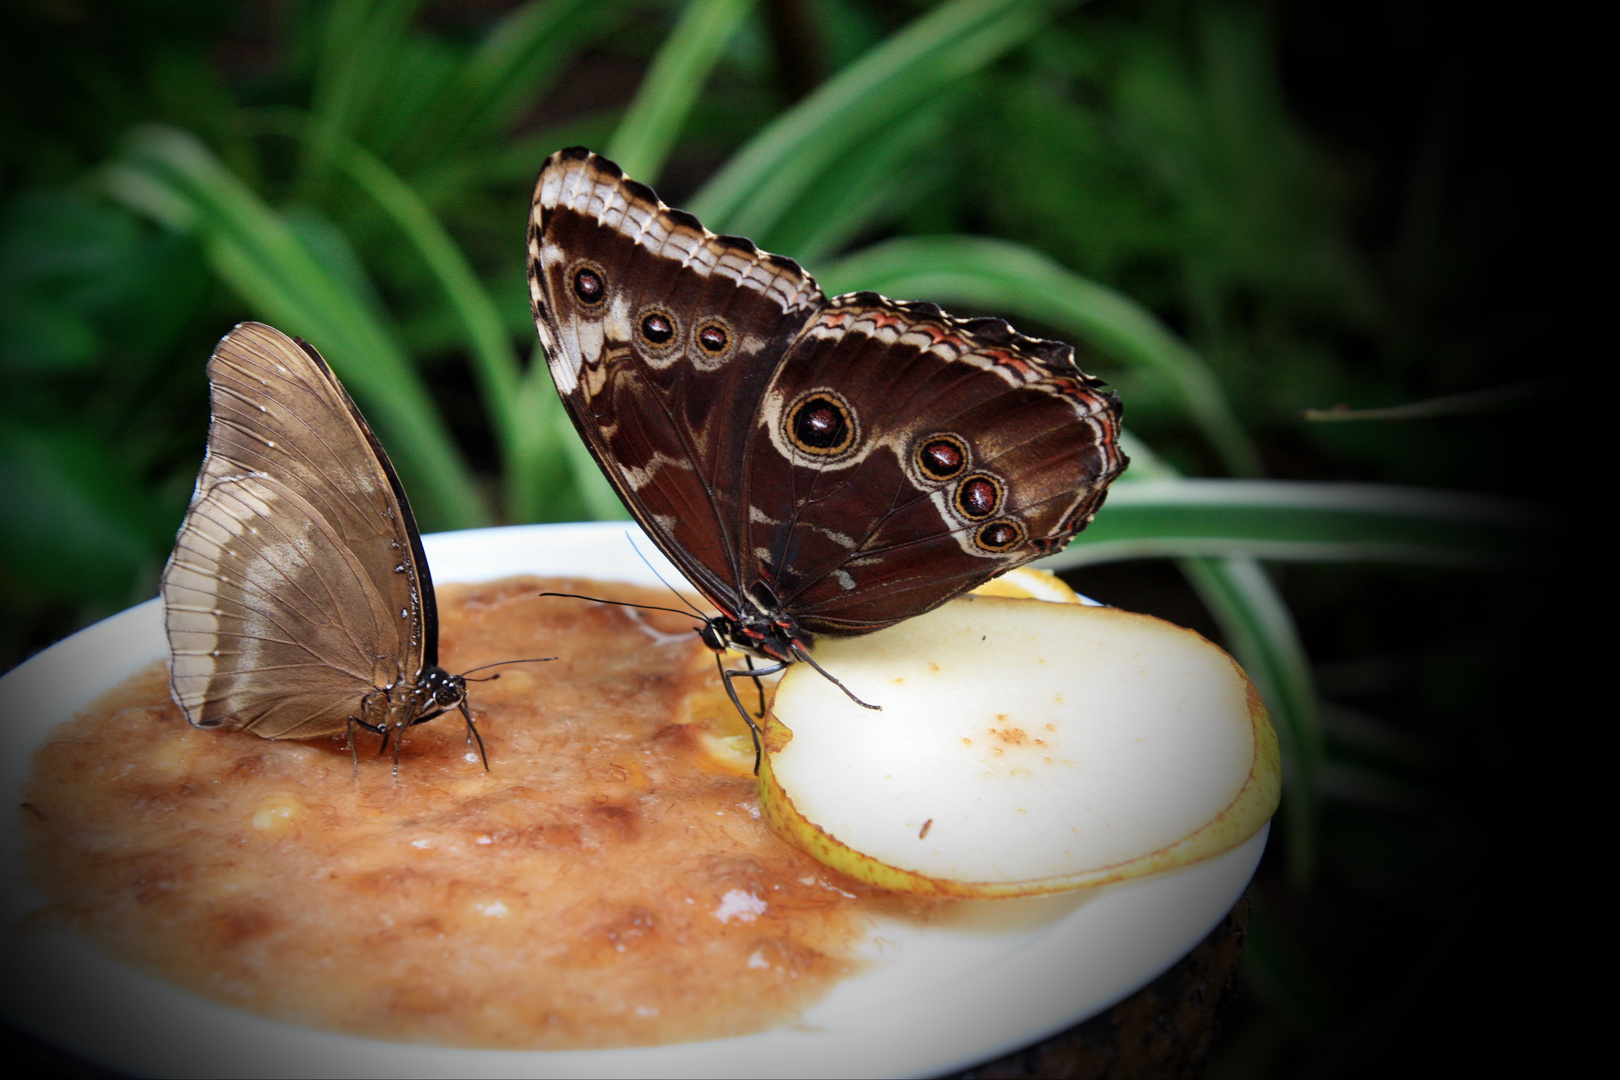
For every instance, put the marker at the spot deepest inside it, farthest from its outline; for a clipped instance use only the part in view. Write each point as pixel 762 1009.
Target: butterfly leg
pixel 354 755
pixel 398 731
pixel 758 685
pixel 399 744
pixel 807 658
pixel 731 691
pixel 389 731
pixel 472 733
pixel 753 729
pixel 375 705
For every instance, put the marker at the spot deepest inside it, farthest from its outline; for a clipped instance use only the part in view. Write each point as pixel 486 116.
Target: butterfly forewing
pixel 654 371
pixel 296 586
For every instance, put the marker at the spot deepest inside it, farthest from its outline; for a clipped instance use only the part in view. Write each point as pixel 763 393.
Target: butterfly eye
pixel 942 458
pixel 657 328
pixel 1000 535
pixel 589 286
pixel 822 425
pixel 978 496
pixel 713 338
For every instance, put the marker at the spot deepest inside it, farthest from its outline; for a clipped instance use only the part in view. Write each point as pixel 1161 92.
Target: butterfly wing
pixel 297 584
pixel 902 456
pixel 841 465
pixel 655 368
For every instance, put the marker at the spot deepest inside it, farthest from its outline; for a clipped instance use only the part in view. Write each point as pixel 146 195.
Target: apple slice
pixel 1022 747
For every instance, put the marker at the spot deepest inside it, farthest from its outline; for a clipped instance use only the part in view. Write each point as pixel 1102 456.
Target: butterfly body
pixel 813 465
pixel 298 601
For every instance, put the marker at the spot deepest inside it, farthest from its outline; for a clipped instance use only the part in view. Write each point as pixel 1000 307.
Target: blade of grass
pixel 870 181
pixel 560 492
pixel 1473 403
pixel 1261 633
pixel 672 84
pixel 998 275
pixel 499 82
pixel 639 146
pixel 524 54
pixel 544 476
pixel 518 431
pixel 169 175
pixel 763 180
pixel 360 38
pixel 1275 519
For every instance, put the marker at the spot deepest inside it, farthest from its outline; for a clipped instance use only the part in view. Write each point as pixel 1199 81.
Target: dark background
pixel 1438 137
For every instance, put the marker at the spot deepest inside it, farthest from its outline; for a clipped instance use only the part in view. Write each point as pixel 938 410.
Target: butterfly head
pixel 764 628
pixel 440 690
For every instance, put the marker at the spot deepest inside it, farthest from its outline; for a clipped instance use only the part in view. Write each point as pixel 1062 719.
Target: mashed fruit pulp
pixel 607 882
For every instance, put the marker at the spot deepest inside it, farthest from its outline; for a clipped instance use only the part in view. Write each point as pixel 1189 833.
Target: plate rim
pixel 1187 904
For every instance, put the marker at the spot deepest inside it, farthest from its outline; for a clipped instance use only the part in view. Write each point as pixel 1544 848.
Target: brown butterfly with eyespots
pixel 812 465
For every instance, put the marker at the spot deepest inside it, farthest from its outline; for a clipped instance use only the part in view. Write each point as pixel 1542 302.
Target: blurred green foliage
pixel 1134 177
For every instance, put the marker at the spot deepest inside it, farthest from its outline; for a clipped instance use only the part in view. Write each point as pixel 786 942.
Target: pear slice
pixel 1030 583
pixel 1023 747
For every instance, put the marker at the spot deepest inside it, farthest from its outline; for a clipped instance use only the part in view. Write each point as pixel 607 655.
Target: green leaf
pixel 671 85
pixel 359 47
pixel 467 118
pixel 525 53
pixel 763 180
pixel 1261 633
pixel 494 359
pixel 1275 519
pixel 75 521
pixel 544 477
pixel 996 275
pixel 551 482
pixel 869 183
pixel 172 177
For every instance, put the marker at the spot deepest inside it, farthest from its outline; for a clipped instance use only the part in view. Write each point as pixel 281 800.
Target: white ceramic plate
pixel 992 977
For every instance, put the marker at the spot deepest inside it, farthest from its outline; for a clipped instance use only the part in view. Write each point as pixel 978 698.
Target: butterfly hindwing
pixel 968 453
pixel 299 616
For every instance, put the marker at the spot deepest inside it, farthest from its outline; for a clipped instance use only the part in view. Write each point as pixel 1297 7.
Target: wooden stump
pixel 1166 1029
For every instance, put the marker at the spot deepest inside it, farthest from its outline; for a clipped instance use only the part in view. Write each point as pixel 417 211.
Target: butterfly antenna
pixel 615 603
pixel 639 554
pixel 799 651
pixel 500 663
